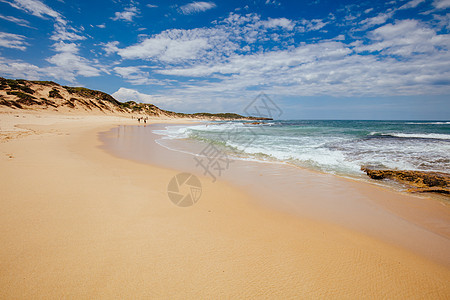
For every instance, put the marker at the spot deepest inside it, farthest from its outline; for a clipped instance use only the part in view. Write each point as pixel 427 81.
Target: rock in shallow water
pixel 420 181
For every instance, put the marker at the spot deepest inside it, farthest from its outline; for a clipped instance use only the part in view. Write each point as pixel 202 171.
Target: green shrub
pixel 54 93
pixel 19 85
pixel 24 98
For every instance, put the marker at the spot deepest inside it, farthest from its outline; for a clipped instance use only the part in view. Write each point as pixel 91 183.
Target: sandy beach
pixel 79 222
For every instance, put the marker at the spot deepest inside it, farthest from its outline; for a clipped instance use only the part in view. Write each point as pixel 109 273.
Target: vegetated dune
pixel 50 96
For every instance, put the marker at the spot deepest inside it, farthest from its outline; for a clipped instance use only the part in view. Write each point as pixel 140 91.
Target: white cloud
pixel 70 64
pixel 236 33
pixel 111 47
pixel 171 46
pixel 125 94
pixel 36 8
pixel 406 38
pixel 273 2
pixel 441 4
pixel 196 7
pixel 280 22
pixel 443 21
pixel 136 76
pixel 407 57
pixel 411 4
pixel 151 5
pixel 128 14
pixel 20 69
pixel 20 22
pixel 13 41
pixel 101 26
pixel 65 33
pixel 67 65
pixel 377 20
pixel 313 25
pixel 412 63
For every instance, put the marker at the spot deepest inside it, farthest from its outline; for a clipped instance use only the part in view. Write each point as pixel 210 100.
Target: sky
pixel 318 59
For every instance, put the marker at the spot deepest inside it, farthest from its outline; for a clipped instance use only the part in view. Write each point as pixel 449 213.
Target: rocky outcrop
pixel 419 181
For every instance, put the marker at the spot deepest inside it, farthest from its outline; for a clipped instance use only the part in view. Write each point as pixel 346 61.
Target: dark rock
pixel 420 181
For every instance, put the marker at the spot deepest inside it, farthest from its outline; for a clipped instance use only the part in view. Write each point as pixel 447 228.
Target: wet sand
pixel 78 222
pixel 417 223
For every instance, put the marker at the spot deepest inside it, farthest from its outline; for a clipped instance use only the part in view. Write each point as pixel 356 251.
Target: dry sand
pixel 76 222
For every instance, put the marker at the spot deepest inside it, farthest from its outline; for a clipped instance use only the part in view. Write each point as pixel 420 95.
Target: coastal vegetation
pixel 21 94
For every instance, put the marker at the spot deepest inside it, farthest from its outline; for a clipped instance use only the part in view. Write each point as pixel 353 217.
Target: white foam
pixel 427 123
pixel 334 154
pixel 438 136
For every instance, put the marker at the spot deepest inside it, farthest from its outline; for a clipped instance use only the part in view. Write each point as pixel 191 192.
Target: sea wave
pixel 428 123
pixel 335 147
pixel 436 136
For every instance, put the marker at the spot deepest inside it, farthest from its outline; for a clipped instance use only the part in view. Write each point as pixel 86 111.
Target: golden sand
pixel 77 222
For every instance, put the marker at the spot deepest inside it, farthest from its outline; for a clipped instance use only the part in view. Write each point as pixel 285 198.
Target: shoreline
pixel 415 220
pixel 405 187
pixel 89 224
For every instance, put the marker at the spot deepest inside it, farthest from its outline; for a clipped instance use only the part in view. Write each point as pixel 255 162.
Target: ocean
pixel 339 147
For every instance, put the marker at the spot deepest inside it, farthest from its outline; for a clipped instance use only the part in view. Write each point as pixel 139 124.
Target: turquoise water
pixel 339 147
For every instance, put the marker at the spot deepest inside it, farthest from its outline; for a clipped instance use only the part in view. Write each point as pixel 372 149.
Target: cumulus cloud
pixel 405 38
pixel 196 7
pixel 70 64
pixel 233 57
pixel 13 41
pixel 236 33
pixel 65 65
pixel 280 22
pixel 403 58
pixel 20 69
pixel 125 94
pixel 127 15
pixel 136 76
pixel 172 46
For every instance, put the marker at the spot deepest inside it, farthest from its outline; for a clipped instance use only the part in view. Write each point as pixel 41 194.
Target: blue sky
pixel 318 59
